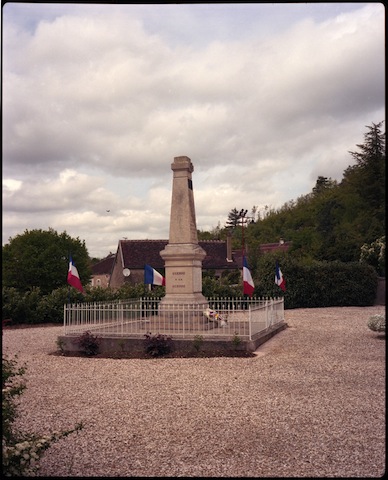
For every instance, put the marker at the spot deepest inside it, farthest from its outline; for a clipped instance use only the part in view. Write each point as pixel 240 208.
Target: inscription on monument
pixel 178 279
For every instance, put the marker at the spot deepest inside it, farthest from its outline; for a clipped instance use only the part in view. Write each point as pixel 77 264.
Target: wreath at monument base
pixel 214 316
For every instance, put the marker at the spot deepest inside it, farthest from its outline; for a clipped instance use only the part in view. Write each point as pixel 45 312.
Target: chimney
pixel 229 247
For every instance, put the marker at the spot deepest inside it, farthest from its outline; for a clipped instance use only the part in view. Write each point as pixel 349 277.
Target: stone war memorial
pixel 183 313
pixel 183 256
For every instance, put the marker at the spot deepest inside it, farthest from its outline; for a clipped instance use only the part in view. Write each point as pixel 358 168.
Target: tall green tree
pixel 323 184
pixel 40 259
pixel 367 176
pixel 233 218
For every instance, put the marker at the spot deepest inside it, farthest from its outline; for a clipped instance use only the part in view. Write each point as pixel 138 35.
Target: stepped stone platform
pixel 134 342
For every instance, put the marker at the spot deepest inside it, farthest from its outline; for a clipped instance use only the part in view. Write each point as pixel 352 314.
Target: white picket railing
pixel 136 317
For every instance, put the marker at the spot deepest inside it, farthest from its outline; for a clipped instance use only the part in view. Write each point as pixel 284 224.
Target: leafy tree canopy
pixel 39 258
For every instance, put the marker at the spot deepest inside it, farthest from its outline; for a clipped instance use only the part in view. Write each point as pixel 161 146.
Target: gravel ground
pixel 311 403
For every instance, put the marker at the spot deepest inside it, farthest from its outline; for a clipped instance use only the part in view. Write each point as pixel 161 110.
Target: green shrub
pixel 374 254
pixel 377 323
pixel 236 341
pixel 212 287
pixel 61 345
pixel 100 294
pixel 21 307
pixel 21 452
pixel 198 342
pixel 157 345
pixel 313 284
pixel 11 388
pixel 50 307
pixel 88 343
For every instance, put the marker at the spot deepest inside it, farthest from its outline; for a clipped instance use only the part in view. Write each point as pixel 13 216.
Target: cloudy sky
pixel 99 99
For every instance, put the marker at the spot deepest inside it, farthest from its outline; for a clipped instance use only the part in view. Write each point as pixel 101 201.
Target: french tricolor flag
pixel 73 277
pixel 152 277
pixel 279 280
pixel 248 285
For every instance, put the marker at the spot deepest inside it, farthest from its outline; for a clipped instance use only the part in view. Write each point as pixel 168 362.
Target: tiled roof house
pixel 101 271
pixel 272 247
pixel 133 255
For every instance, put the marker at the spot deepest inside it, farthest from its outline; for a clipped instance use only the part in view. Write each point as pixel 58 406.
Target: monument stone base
pixel 184 311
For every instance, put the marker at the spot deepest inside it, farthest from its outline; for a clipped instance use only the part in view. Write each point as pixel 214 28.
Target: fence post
pixel 122 318
pixel 250 322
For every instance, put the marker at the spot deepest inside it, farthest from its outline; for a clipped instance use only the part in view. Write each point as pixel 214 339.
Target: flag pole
pixel 68 286
pixel 242 216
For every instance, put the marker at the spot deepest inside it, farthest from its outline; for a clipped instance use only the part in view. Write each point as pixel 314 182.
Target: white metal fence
pixel 224 318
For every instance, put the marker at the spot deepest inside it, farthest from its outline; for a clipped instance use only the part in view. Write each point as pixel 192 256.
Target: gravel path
pixel 311 403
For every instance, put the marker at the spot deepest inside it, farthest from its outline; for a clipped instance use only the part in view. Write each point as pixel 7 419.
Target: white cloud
pixel 97 102
pixel 10 185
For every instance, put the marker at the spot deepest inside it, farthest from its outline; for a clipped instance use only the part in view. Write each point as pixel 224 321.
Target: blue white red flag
pixel 248 285
pixel 152 277
pixel 73 277
pixel 279 279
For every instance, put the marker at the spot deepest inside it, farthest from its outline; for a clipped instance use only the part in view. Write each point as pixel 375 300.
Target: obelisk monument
pixel 182 255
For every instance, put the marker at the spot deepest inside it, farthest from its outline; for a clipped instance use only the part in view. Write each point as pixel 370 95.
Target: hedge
pixel 308 285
